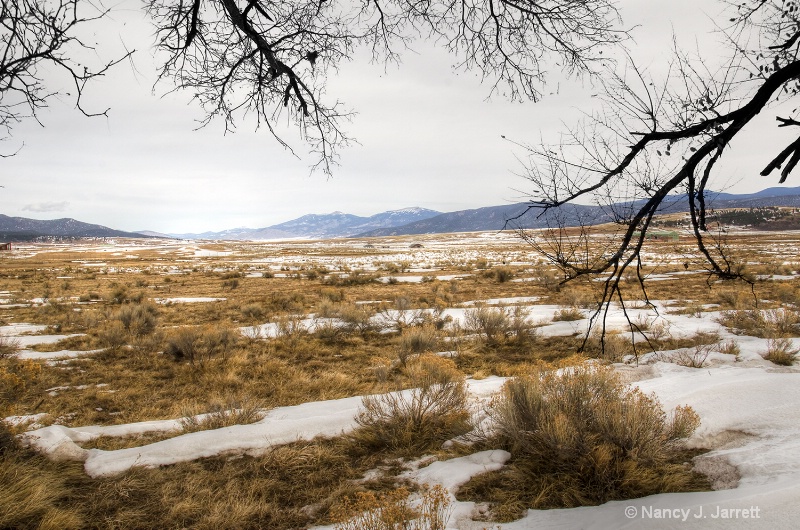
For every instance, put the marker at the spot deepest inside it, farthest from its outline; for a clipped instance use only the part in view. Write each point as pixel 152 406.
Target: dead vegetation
pixel 285 324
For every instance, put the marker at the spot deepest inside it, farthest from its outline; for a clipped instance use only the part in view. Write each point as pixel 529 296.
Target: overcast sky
pixel 427 138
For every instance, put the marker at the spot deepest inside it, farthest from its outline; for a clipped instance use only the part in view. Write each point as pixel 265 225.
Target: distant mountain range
pixel 521 216
pixel 407 221
pixel 24 229
pixel 322 226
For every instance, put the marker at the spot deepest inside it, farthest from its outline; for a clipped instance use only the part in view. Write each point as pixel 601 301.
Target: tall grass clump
pixel 33 497
pixel 416 341
pixel 492 323
pixel 138 320
pixel 392 511
pixel 199 344
pixel 781 351
pixel 770 323
pixel 418 419
pixel 231 412
pixel 579 436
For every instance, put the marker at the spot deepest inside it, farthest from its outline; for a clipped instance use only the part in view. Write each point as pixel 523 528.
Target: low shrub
pixel 253 311
pixel 357 318
pixel 418 419
pixel 568 314
pixel 200 344
pixel 770 323
pixel 694 357
pixel 138 320
pixel 781 351
pixel 579 436
pixel 415 341
pixel 8 346
pixel 492 323
pixel 350 279
pixel 112 335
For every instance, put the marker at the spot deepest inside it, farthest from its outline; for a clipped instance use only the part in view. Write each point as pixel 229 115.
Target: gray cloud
pixel 46 207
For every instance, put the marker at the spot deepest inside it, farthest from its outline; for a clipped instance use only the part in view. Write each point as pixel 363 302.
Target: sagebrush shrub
pixel 770 323
pixel 567 314
pixel 493 323
pixel 416 340
pixel 200 344
pixel 581 436
pixel 138 320
pixel 230 412
pixel 8 346
pixel 418 419
pixel 781 351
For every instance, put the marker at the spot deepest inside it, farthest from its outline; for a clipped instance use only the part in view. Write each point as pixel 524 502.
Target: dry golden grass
pixel 111 299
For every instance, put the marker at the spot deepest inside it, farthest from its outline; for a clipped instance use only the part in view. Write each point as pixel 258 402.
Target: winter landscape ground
pixel 355 383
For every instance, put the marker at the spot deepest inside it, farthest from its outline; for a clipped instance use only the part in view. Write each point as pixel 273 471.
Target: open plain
pixel 156 383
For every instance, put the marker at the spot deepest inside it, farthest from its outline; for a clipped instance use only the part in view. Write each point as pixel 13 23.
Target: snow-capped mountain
pixel 322 226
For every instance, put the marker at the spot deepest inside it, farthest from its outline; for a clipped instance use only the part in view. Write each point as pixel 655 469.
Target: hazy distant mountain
pixel 400 222
pixel 319 226
pixel 514 216
pixel 338 224
pixel 496 218
pixel 21 228
pixel 239 234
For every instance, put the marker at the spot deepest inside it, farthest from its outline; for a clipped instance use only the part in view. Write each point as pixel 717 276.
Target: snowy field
pixel 748 406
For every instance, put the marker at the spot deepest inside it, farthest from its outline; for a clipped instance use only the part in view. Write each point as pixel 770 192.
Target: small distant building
pixel 5 246
pixel 416 245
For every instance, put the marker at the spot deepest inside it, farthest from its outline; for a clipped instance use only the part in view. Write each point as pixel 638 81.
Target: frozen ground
pixel 750 408
pixel 750 420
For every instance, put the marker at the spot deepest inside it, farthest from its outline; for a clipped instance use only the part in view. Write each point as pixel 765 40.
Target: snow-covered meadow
pixel 749 407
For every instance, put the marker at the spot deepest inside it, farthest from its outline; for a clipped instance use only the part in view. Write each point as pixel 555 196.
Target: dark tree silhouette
pixel 36 35
pixel 658 140
pixel 270 59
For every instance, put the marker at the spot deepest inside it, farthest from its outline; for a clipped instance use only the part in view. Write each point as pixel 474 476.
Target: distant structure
pixel 415 245
pixel 5 246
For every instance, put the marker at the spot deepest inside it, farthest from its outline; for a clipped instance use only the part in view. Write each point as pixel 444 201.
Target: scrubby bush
pixel 349 279
pixel 694 357
pixel 290 331
pixel 492 323
pixel 579 436
pixel 231 412
pixel 611 346
pixel 503 274
pixel 8 346
pixel 568 314
pixel 418 419
pixel 357 318
pixel 770 323
pixel 415 341
pixel 252 311
pixel 138 320
pixel 112 335
pixel 781 351
pixel 200 344
pixel 403 314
